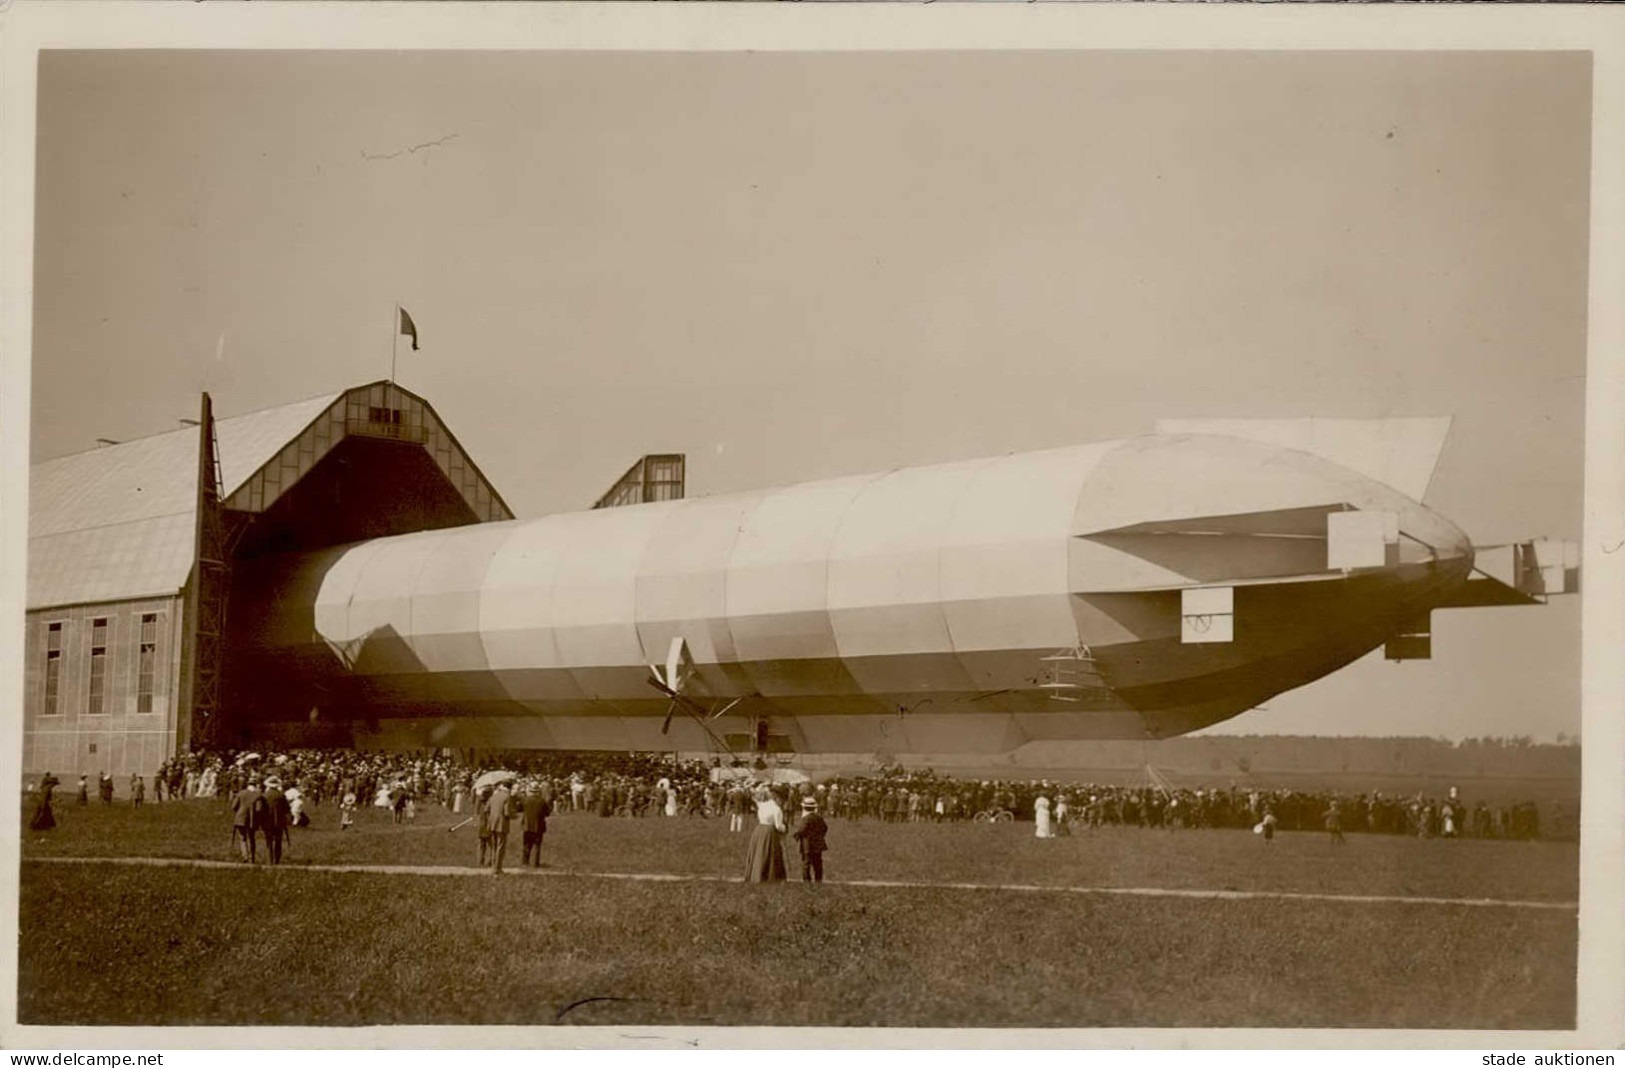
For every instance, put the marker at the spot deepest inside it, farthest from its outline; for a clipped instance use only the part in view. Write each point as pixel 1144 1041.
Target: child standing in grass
pixel 346 812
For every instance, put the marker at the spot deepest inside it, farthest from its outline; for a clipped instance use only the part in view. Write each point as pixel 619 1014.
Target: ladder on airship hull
pixel 1069 671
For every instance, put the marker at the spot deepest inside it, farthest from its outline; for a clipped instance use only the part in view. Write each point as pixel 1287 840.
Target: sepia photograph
pixel 923 538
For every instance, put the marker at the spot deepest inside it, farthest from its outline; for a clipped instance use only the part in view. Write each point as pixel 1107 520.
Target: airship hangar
pixel 339 572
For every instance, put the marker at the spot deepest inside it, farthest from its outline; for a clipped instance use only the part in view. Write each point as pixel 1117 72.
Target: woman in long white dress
pixel 764 856
pixel 1041 817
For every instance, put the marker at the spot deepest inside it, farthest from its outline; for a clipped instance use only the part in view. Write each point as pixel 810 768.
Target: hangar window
pixel 665 478
pixel 53 666
pixel 98 666
pixel 147 657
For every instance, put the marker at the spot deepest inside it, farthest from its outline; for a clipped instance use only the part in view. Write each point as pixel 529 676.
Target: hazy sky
pixel 795 266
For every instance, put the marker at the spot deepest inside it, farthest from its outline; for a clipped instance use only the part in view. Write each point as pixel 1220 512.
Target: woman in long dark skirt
pixel 44 819
pixel 764 856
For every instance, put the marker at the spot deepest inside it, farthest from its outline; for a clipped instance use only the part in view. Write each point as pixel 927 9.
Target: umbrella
pixel 246 758
pixel 491 778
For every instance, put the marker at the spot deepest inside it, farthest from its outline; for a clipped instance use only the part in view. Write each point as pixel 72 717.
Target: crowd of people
pixel 645 785
pixel 925 795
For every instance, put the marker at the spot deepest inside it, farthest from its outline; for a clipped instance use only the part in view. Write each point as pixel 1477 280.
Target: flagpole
pixel 394 341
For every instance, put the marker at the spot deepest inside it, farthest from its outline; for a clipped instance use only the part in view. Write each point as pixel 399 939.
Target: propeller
pixel 691 707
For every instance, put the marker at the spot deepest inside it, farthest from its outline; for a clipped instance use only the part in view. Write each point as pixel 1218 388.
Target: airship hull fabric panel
pixel 446 599
pixel 885 580
pixel 332 608
pixel 382 601
pixel 682 587
pixel 516 613
pixel 778 590
pixel 594 600
pixel 1004 558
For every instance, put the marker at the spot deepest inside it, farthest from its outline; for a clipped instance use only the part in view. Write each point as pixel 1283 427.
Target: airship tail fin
pixel 1400 452
pixel 1524 573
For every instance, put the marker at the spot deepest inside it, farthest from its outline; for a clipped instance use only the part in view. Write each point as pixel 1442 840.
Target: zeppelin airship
pixel 1132 589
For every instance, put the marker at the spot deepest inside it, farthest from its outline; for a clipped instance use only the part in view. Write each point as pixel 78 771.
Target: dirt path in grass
pixel 658 877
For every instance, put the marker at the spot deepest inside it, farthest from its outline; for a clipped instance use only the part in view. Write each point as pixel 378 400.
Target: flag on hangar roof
pixel 409 328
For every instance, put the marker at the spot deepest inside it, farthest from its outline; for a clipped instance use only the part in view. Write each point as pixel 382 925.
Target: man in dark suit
pixel 811 835
pixel 536 811
pixel 275 818
pixel 244 825
pixel 482 813
pixel 501 812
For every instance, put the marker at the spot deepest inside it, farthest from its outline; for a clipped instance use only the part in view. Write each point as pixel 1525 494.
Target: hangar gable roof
pixel 118 522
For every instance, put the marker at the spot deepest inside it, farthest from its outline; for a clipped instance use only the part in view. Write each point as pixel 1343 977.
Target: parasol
pixel 247 758
pixel 491 778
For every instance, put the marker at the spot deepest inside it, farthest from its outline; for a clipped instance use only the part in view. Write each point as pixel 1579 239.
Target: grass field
pixel 105 944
